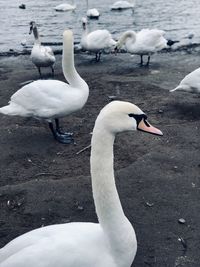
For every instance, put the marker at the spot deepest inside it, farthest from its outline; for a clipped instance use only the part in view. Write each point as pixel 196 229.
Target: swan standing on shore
pixel 120 5
pixel 144 42
pixel 112 241
pixel 92 13
pixel 191 82
pixel 96 41
pixel 41 56
pixel 65 7
pixel 52 99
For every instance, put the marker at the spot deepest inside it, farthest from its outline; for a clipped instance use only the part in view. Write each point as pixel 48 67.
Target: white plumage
pixel 52 99
pixel 144 42
pixel 93 13
pixel 96 41
pixel 41 56
pixel 65 7
pixel 109 243
pixel 191 82
pixel 119 5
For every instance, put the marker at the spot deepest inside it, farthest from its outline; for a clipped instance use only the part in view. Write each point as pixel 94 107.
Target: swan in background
pixel 96 41
pixel 109 243
pixel 65 7
pixel 144 42
pixel 120 5
pixel 92 13
pixel 191 83
pixel 51 99
pixel 41 56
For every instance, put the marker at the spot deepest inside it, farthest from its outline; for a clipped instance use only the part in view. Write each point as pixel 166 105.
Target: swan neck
pixel 114 223
pixel 69 71
pixel 36 35
pixel 107 202
pixel 129 35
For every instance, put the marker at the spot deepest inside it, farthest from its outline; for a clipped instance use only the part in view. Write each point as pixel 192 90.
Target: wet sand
pixel 44 182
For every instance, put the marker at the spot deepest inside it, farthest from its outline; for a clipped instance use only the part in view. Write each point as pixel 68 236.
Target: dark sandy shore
pixel 44 182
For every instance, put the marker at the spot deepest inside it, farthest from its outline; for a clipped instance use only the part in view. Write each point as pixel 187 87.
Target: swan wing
pixel 100 39
pixel 45 99
pixel 151 40
pixel 59 245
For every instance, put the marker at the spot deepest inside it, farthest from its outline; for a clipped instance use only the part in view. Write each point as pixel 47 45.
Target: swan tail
pixel 13 110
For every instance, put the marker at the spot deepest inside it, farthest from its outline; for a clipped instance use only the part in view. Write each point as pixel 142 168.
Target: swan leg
pixel 59 130
pixel 52 69
pixel 98 56
pixel 148 61
pixel 141 60
pixel 62 138
pixel 39 70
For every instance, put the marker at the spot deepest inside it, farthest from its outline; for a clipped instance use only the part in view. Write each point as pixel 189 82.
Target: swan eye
pixel 139 117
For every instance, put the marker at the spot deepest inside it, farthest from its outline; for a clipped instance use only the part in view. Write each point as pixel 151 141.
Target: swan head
pixel 32 26
pixel 84 23
pixel 120 116
pixel 128 36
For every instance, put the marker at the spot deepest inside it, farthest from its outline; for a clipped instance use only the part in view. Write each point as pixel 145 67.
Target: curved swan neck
pixel 107 202
pixel 69 71
pixel 116 226
pixel 129 35
pixel 36 35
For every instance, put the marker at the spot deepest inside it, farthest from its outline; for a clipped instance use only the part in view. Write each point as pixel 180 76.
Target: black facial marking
pixel 139 117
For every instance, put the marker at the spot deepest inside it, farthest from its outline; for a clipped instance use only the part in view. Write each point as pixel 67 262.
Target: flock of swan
pixel 111 242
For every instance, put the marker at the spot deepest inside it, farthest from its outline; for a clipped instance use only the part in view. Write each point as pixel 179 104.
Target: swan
pixel 191 82
pixel 120 5
pixel 52 99
pixel 92 13
pixel 65 7
pixel 41 56
pixel 96 41
pixel 109 243
pixel 144 42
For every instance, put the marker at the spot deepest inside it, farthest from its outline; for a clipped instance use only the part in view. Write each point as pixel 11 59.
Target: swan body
pixel 119 5
pixel 41 56
pixel 191 82
pixel 111 242
pixel 93 13
pixel 52 99
pixel 96 41
pixel 144 42
pixel 65 7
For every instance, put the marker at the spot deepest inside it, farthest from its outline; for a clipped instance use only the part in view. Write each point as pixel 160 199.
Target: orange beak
pixel 146 127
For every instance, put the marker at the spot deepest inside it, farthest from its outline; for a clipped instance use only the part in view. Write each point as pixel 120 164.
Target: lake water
pixel 178 18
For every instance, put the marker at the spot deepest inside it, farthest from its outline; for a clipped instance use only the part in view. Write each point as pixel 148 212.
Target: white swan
pixel 191 82
pixel 120 5
pixel 92 13
pixel 96 41
pixel 65 7
pixel 52 99
pixel 41 56
pixel 144 42
pixel 109 243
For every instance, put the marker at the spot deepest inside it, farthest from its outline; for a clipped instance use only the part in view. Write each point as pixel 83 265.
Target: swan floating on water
pixel 109 243
pixel 41 56
pixel 96 41
pixel 144 42
pixel 191 83
pixel 120 5
pixel 92 13
pixel 51 99
pixel 65 7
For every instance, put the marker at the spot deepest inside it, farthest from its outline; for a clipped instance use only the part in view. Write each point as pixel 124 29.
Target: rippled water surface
pixel 178 18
